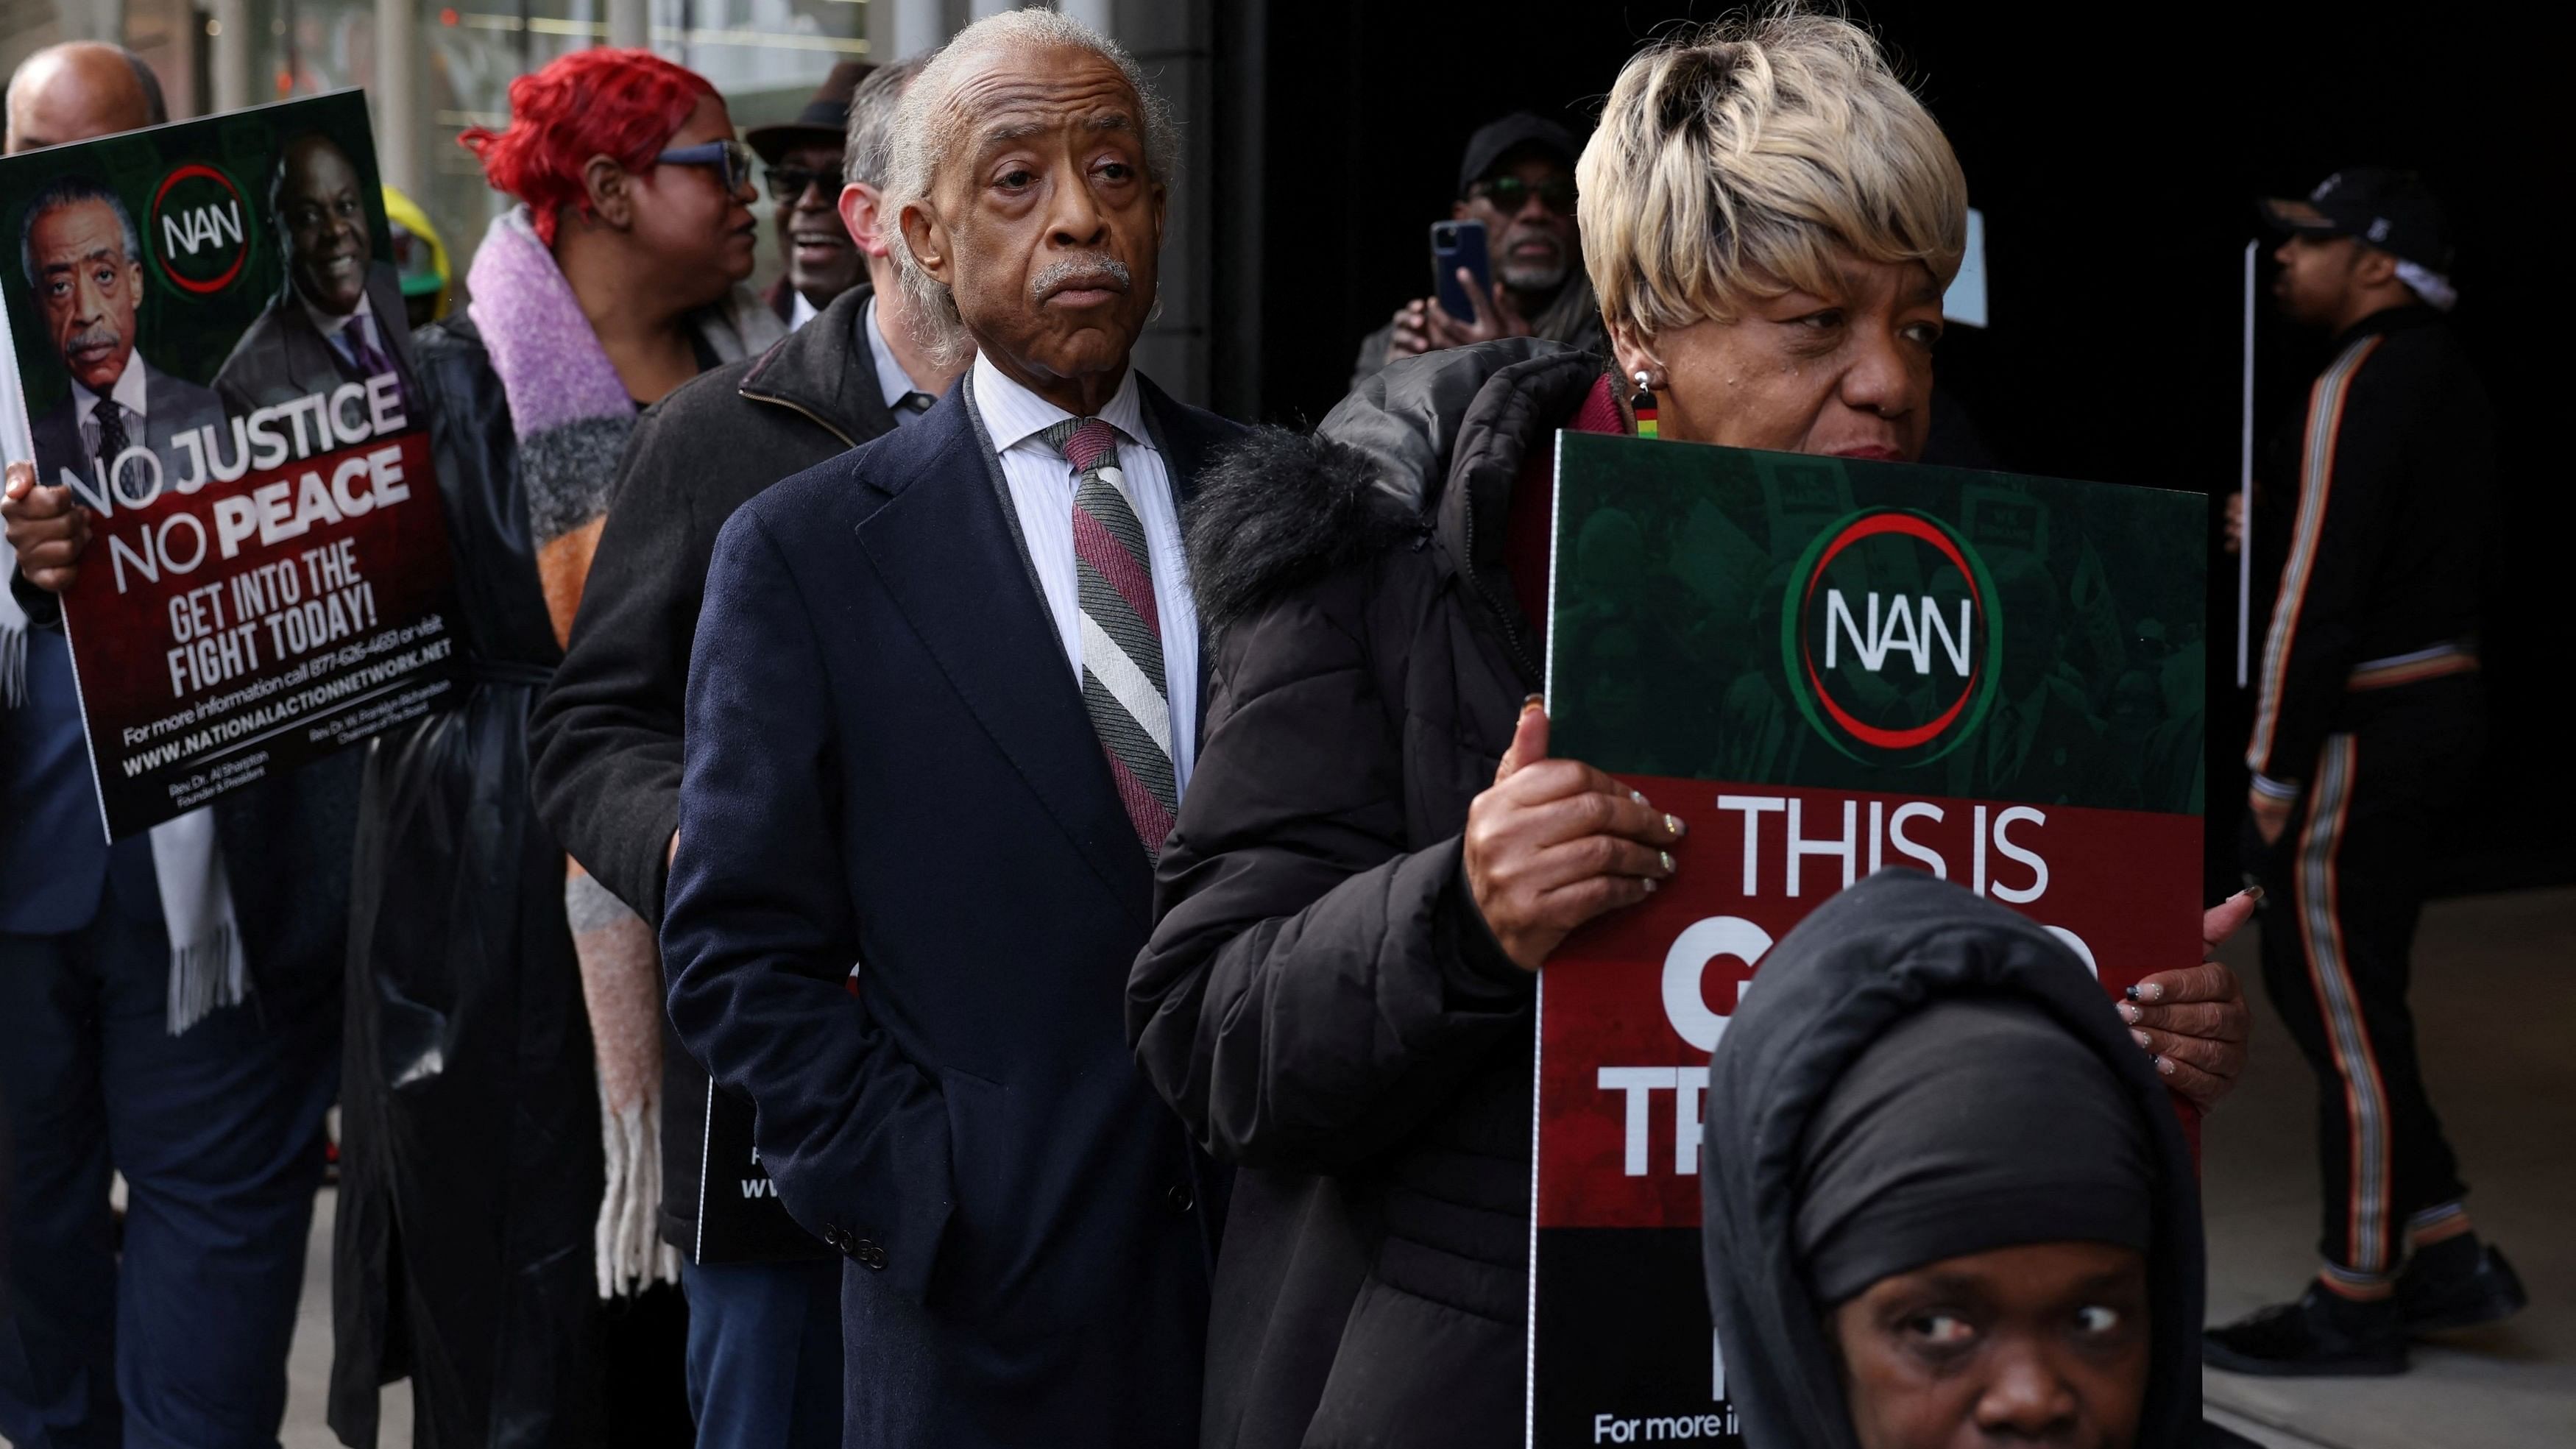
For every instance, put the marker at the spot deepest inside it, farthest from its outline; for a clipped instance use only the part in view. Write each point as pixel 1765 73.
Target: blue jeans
pixel 765 1354
pixel 182 1341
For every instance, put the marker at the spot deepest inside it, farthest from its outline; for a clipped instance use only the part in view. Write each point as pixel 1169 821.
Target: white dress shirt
pixel 334 327
pixel 800 311
pixel 129 392
pixel 1042 484
pixel 892 381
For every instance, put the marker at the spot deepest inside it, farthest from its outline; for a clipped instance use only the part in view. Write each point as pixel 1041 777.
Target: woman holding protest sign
pixel 493 1033
pixel 1358 898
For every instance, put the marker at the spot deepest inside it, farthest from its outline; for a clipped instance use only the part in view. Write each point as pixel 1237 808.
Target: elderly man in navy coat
pixel 943 701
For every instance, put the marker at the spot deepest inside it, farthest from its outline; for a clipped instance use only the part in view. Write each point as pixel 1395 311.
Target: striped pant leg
pixel 2346 891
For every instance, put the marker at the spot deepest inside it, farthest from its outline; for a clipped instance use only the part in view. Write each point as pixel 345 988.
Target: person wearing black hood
pixel 1945 1200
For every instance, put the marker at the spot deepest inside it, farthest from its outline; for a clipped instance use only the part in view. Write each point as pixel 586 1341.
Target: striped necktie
pixel 1122 637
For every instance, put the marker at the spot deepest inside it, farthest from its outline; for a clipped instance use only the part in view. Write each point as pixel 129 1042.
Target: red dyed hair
pixel 622 104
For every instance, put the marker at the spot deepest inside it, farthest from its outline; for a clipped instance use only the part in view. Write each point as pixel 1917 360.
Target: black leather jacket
pixel 471 1162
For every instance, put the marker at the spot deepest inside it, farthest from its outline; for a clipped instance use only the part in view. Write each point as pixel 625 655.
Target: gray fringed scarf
pixel 572 415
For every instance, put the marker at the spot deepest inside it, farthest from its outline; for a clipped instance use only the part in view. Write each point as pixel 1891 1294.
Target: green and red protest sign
pixel 1826 668
pixel 212 354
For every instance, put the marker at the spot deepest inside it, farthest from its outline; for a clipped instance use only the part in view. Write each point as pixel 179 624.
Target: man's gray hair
pixel 927 128
pixel 867 152
pixel 71 191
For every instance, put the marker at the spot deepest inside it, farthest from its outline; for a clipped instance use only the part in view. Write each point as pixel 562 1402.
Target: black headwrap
pixel 1881 965
pixel 1978 1123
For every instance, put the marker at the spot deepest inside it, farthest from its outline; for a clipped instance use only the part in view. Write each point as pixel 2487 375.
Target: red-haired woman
pixel 481 1219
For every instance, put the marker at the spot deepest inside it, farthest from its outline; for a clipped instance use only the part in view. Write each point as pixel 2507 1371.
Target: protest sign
pixel 212 354
pixel 1825 667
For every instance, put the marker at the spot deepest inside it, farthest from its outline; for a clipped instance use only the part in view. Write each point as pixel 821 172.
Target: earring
pixel 1642 404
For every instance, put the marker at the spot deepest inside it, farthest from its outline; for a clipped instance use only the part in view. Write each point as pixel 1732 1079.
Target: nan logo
pixel 1889 635
pixel 200 229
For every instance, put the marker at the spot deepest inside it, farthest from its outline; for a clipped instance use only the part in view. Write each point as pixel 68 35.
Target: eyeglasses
pixel 1510 193
pixel 730 160
pixel 787 183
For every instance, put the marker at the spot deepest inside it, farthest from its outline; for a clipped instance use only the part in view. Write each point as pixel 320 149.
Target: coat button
pixel 835 1239
pixel 868 1254
pixel 1181 1198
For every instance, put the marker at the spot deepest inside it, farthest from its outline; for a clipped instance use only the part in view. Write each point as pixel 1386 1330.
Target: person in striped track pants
pixel 2367 726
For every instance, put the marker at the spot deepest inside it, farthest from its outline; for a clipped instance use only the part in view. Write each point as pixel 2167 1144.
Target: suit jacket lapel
pixel 944 548
pixel 1186 448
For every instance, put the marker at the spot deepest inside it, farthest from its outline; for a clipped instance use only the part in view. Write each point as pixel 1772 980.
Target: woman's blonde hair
pixel 1733 158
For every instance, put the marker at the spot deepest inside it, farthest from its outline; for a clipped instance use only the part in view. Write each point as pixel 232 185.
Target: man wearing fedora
pixel 803 157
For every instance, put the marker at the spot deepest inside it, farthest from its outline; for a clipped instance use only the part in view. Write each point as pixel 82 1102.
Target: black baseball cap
pixel 825 121
pixel 1520 130
pixel 2392 210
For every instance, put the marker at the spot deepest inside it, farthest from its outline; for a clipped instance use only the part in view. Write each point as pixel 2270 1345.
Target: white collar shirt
pixel 893 382
pixel 335 327
pixel 800 311
pixel 1042 484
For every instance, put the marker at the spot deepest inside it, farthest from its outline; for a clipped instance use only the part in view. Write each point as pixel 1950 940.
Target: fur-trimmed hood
pixel 1282 509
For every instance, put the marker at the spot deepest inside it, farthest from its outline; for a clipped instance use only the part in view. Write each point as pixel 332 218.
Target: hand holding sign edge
pixel 1554 843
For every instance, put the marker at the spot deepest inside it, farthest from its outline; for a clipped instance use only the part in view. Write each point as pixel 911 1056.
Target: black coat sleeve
pixel 606 735
pixel 1313 989
pixel 762 931
pixel 2351 479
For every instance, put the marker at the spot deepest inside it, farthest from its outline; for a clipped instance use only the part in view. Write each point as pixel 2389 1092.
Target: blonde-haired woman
pixel 1357 899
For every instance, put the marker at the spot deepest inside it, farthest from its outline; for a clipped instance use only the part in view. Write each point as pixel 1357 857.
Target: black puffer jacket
pixel 1320 1001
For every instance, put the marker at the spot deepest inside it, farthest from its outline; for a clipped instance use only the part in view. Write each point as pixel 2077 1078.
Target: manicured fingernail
pixel 2164 1066
pixel 1650 886
pixel 1638 795
pixel 2252 893
pixel 1674 824
pixel 1666 857
pixel 2131 1014
pixel 2142 1039
pixel 1534 701
pixel 2149 991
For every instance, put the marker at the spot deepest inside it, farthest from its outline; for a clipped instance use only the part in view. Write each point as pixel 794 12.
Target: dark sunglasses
pixel 1510 193
pixel 728 159
pixel 786 183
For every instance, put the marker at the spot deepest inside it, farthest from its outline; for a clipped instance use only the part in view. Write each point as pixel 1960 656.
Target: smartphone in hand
pixel 1456 244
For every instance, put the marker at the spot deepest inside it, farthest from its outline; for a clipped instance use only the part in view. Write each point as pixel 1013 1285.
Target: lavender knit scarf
pixel 573 415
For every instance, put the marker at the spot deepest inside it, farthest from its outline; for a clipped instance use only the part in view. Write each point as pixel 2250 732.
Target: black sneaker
pixel 2320 1336
pixel 2431 1298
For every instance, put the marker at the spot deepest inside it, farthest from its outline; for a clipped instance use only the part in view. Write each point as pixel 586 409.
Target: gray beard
pixel 1534 279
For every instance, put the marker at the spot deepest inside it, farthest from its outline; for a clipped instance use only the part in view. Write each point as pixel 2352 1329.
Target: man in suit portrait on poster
pixel 84 263
pixel 326 326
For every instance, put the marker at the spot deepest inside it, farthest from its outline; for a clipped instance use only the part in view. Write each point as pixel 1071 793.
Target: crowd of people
pixel 1022 897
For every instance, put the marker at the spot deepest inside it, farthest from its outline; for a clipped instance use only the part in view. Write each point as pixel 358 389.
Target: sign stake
pixel 2245 484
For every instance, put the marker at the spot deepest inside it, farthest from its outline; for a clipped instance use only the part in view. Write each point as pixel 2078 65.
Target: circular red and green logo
pixel 1892 637
pixel 200 229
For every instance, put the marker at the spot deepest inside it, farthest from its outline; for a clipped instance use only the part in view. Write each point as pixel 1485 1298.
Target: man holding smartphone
pixel 1517 181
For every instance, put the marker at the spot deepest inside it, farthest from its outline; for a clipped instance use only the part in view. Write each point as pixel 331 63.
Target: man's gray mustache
pixel 92 337
pixel 1071 269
